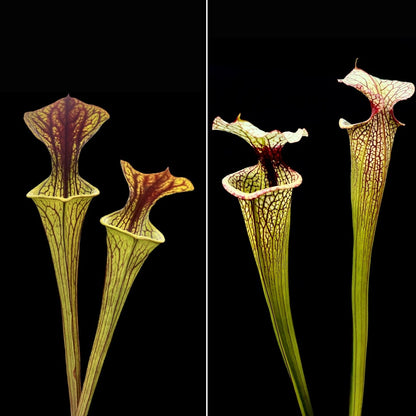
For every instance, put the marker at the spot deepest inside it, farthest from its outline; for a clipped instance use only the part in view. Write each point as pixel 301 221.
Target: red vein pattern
pixel 64 127
pixel 62 201
pixel 371 144
pixel 130 239
pixel 62 221
pixel 264 192
pixel 144 191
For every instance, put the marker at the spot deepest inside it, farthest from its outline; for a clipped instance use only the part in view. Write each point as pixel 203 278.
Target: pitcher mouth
pixel 155 236
pixel 271 174
pixel 235 182
pixel 34 194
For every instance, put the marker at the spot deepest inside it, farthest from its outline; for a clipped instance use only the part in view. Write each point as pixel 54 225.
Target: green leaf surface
pixel 265 194
pixel 371 144
pixel 62 201
pixel 131 237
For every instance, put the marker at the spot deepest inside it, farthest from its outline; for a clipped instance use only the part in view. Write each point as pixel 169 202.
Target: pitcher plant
pixel 62 201
pixel 371 143
pixel 264 192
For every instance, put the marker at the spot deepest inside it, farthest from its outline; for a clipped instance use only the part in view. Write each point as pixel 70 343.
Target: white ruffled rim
pixel 256 194
pixel 383 94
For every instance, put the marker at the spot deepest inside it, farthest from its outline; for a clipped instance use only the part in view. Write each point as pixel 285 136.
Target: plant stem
pixel 72 351
pixel 285 333
pixel 126 255
pixel 359 296
pixel 62 220
pixel 367 188
pixel 268 224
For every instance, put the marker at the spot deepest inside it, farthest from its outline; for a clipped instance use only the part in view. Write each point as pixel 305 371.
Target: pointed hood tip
pixel 355 63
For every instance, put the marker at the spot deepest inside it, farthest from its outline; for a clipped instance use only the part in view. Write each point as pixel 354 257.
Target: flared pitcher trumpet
pixel 131 237
pixel 371 142
pixel 62 201
pixel 264 192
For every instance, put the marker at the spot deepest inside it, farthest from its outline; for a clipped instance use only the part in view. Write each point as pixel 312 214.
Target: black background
pixel 278 66
pixel 158 347
pixel 145 65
